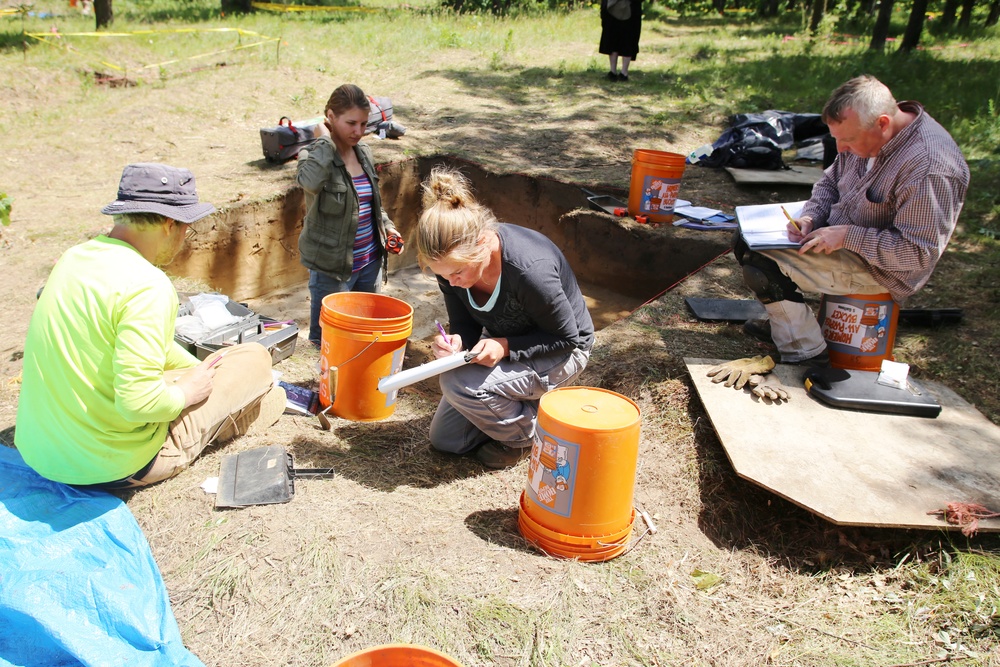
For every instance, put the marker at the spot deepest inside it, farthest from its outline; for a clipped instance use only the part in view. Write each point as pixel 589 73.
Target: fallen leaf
pixel 705 580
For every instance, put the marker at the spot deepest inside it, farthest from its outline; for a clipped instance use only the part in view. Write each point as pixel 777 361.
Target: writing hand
pixel 445 346
pixel 197 383
pixel 800 228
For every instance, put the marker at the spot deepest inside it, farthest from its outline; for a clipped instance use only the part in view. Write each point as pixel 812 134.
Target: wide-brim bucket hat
pixel 149 187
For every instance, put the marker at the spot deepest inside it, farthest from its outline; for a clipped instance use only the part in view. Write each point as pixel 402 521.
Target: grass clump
pixel 958 597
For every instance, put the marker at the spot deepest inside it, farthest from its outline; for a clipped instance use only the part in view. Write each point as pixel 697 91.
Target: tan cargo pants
pixel 242 379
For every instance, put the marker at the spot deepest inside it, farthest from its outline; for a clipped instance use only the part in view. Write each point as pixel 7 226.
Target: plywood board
pixel 795 175
pixel 857 468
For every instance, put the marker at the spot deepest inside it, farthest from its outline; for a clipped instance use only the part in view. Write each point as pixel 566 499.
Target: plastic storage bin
pixel 251 328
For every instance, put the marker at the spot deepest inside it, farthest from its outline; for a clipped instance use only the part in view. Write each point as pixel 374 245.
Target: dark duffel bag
pixel 282 143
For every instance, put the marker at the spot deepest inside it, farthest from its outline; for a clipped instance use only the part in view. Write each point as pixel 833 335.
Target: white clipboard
pixel 402 379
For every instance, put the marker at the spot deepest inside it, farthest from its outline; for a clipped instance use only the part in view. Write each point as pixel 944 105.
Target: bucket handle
pixel 334 371
pixel 650 529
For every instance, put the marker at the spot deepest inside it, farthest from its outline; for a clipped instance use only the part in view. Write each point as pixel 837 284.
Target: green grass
pixel 959 597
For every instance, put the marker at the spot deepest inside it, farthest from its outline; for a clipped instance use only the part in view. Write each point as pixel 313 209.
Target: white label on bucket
pixel 552 472
pixel 659 195
pixel 858 328
pixel 397 365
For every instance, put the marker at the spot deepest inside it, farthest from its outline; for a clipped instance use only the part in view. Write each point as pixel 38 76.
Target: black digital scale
pixel 860 390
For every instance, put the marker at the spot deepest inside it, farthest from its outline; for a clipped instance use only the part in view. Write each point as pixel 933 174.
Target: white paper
pixel 402 379
pixel 765 226
pixel 893 374
pixel 696 212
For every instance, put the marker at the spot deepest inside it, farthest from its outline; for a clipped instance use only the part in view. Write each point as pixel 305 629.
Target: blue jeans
pixel 368 279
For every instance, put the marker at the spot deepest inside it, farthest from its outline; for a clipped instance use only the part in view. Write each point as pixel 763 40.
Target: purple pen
pixel 441 329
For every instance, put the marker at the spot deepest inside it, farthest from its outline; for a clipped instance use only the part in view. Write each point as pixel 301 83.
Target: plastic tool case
pixel 860 390
pixel 279 339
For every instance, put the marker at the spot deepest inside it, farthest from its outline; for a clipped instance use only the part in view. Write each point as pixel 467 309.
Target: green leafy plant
pixel 5 206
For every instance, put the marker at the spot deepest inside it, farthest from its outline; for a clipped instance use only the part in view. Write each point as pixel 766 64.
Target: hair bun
pixel 447 187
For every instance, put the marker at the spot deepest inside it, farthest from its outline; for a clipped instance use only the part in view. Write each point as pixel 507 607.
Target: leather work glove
pixel 737 373
pixel 768 387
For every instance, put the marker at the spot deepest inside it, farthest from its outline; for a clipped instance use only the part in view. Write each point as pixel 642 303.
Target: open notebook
pixel 764 226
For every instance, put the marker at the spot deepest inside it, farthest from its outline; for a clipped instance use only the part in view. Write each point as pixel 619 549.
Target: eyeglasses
pixel 190 232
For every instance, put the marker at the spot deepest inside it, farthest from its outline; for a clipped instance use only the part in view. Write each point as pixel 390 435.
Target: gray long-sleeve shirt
pixel 539 309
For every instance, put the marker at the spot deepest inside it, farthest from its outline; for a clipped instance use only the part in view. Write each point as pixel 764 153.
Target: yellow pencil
pixel 791 220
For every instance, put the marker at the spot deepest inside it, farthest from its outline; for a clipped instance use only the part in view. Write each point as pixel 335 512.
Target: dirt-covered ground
pixel 407 545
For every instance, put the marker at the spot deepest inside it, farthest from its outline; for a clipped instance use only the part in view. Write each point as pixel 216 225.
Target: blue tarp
pixel 78 584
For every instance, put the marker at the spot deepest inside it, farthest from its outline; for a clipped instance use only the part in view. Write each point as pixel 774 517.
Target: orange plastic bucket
pixel 397 655
pixel 364 339
pixel 578 499
pixel 656 180
pixel 860 329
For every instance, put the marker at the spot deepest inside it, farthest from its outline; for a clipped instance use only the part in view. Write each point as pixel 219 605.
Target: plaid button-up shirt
pixel 904 209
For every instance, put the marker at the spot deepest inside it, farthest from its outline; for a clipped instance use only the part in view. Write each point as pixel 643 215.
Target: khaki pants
pixel 242 378
pixel 794 328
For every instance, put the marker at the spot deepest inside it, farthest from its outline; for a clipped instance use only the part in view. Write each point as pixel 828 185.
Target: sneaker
pixel 622 76
pixel 612 76
pixel 759 329
pixel 497 456
pixel 255 419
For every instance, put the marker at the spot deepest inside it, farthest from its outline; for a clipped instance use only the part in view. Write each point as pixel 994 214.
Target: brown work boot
pixel 821 360
pixel 256 418
pixel 759 329
pixel 498 456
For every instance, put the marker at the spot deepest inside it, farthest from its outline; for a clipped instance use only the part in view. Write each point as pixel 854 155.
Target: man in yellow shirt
pixel 108 398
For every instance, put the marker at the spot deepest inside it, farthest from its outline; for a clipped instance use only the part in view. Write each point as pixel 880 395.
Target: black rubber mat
pixel 725 310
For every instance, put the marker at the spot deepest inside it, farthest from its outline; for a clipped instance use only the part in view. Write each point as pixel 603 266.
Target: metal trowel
pixel 262 476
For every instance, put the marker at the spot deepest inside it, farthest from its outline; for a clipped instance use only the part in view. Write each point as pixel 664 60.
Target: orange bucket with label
pixel 578 499
pixel 656 180
pixel 397 655
pixel 364 339
pixel 860 329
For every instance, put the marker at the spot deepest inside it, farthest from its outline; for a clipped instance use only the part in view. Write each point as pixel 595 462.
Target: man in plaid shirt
pixel 878 219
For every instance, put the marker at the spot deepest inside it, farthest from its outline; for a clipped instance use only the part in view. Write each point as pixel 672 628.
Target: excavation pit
pixel 250 252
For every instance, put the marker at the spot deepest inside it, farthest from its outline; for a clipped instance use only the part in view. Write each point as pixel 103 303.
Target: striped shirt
pixel 365 251
pixel 904 209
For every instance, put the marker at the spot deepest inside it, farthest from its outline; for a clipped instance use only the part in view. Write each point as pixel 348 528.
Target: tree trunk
pixel 104 13
pixel 914 26
pixel 818 7
pixel 965 20
pixel 237 6
pixel 949 13
pixel 881 29
pixel 769 8
pixel 994 13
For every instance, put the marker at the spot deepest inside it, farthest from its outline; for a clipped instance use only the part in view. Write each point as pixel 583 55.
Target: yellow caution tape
pixel 50 37
pixel 133 33
pixel 277 7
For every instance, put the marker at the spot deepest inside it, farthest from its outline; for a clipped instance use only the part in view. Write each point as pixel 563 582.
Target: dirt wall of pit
pixel 251 250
